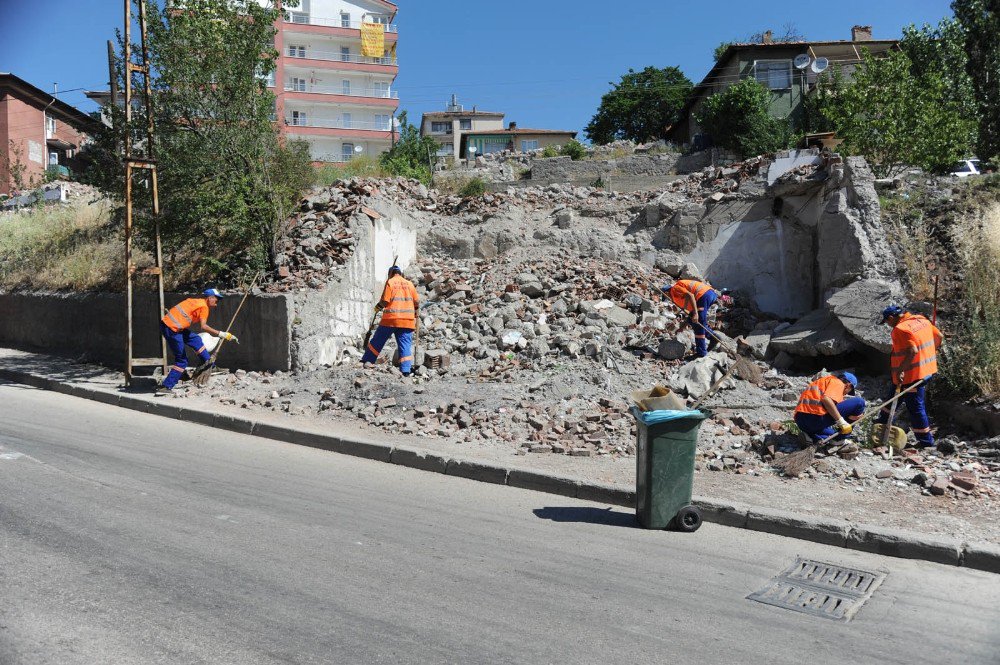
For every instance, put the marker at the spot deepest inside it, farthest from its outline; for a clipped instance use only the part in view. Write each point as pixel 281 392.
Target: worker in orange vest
pixel 400 307
pixel 175 327
pixel 828 406
pixel 915 342
pixel 696 298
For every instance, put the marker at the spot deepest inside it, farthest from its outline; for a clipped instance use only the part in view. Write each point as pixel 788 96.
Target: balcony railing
pixel 300 18
pixel 337 90
pixel 333 56
pixel 337 124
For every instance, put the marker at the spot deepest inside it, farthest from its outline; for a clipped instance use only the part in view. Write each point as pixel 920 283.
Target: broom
pixel 204 371
pixel 371 326
pixel 743 367
pixel 795 463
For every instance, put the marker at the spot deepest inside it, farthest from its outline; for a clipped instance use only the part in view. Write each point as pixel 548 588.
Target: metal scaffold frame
pixel 145 163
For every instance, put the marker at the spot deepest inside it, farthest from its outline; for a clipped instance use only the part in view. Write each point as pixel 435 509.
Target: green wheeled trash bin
pixel 664 469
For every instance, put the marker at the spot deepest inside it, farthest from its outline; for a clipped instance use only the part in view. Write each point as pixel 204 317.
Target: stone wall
pixel 330 321
pixel 53 322
pixel 586 172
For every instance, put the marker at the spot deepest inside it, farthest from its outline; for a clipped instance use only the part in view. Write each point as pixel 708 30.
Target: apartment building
pixel 37 132
pixel 331 91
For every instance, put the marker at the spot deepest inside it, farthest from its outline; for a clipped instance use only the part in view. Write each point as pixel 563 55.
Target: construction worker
pixel 827 406
pixel 176 329
pixel 400 306
pixel 696 298
pixel 915 342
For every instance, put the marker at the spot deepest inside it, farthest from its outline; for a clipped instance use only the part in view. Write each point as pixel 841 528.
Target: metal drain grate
pixel 820 589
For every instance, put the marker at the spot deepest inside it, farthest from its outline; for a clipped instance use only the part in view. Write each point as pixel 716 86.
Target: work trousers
pixel 404 340
pixel 916 405
pixel 176 341
pixel 702 333
pixel 821 426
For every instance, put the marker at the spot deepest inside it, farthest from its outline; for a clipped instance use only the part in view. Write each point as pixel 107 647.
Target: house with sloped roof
pixel 790 70
pixel 513 139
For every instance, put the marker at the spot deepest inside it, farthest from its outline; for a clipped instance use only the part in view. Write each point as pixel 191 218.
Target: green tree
pixel 574 150
pixel 895 118
pixel 737 119
pixel 981 21
pixel 640 107
pixel 226 180
pixel 820 104
pixel 411 156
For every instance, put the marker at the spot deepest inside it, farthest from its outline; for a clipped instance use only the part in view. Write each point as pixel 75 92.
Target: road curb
pixel 864 537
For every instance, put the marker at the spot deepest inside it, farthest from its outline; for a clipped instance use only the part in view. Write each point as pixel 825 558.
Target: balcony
pixel 331 56
pixel 338 124
pixel 300 18
pixel 376 93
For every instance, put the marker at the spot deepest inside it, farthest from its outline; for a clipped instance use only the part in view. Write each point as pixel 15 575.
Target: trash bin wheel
pixel 687 519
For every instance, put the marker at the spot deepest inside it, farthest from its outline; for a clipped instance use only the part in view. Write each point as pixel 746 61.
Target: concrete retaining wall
pixel 330 321
pixel 93 325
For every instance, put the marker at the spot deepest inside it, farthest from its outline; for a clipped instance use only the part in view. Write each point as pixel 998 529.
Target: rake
pixel 795 463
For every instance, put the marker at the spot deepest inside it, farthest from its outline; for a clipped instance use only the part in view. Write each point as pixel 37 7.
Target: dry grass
pixel 62 247
pixel 364 166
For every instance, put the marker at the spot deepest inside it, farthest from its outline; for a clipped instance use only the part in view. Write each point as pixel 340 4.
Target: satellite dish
pixel 359 149
pixel 819 65
pixel 802 61
pixel 472 149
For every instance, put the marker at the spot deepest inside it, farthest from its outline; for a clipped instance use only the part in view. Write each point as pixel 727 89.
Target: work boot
pixel 161 391
pixel 712 343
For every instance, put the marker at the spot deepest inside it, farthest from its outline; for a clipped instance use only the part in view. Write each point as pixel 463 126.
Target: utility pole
pixel 143 163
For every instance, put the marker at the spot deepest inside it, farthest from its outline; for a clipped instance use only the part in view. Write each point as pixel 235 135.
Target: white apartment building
pixel 328 94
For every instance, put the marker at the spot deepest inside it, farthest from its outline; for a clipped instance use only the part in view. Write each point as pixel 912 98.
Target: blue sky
pixel 545 64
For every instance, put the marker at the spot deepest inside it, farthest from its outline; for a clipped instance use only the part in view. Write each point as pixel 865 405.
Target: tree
pixel 410 157
pixel 640 107
pixel 981 21
pixel 738 120
pixel 226 180
pixel 895 118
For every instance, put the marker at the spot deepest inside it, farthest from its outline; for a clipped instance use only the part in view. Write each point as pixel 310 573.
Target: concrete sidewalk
pixel 87 382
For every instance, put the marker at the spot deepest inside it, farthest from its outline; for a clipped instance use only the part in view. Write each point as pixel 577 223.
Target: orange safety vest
pixel 679 291
pixel 914 332
pixel 402 300
pixel 810 401
pixel 186 313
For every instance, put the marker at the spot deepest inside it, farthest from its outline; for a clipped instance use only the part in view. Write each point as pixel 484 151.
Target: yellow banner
pixel 373 40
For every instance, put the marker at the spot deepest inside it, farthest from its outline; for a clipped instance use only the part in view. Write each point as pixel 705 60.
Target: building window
pixel 441 128
pixel 299 118
pixel 381 89
pixel 50 126
pixel 345 20
pixel 383 122
pixel 298 85
pixel 345 87
pixel 345 53
pixel 296 51
pixel 346 118
pixel 465 124
pixel 773 74
pixel 529 145
pixel 379 18
pixel 347 151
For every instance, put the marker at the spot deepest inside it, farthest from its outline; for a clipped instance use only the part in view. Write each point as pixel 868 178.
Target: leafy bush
pixel 738 120
pixel 549 151
pixel 574 150
pixel 474 187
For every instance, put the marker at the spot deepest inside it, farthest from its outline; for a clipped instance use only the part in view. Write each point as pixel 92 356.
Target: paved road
pixel 127 538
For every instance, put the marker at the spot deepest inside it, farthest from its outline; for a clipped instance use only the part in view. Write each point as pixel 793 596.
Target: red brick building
pixel 36 131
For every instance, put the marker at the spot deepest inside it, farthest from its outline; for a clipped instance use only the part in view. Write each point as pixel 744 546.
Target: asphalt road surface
pixel 128 538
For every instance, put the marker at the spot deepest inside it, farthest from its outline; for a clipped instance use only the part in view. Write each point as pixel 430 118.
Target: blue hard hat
pixel 213 292
pixel 891 310
pixel 850 378
pixel 396 269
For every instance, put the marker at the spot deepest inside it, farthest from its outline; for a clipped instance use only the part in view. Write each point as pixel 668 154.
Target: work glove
pixel 229 337
pixel 844 427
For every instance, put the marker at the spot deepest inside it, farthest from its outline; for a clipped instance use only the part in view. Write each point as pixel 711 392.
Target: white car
pixel 966 167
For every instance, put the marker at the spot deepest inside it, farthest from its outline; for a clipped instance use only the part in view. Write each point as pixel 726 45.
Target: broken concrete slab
pixel 859 308
pixel 696 377
pixel 818 333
